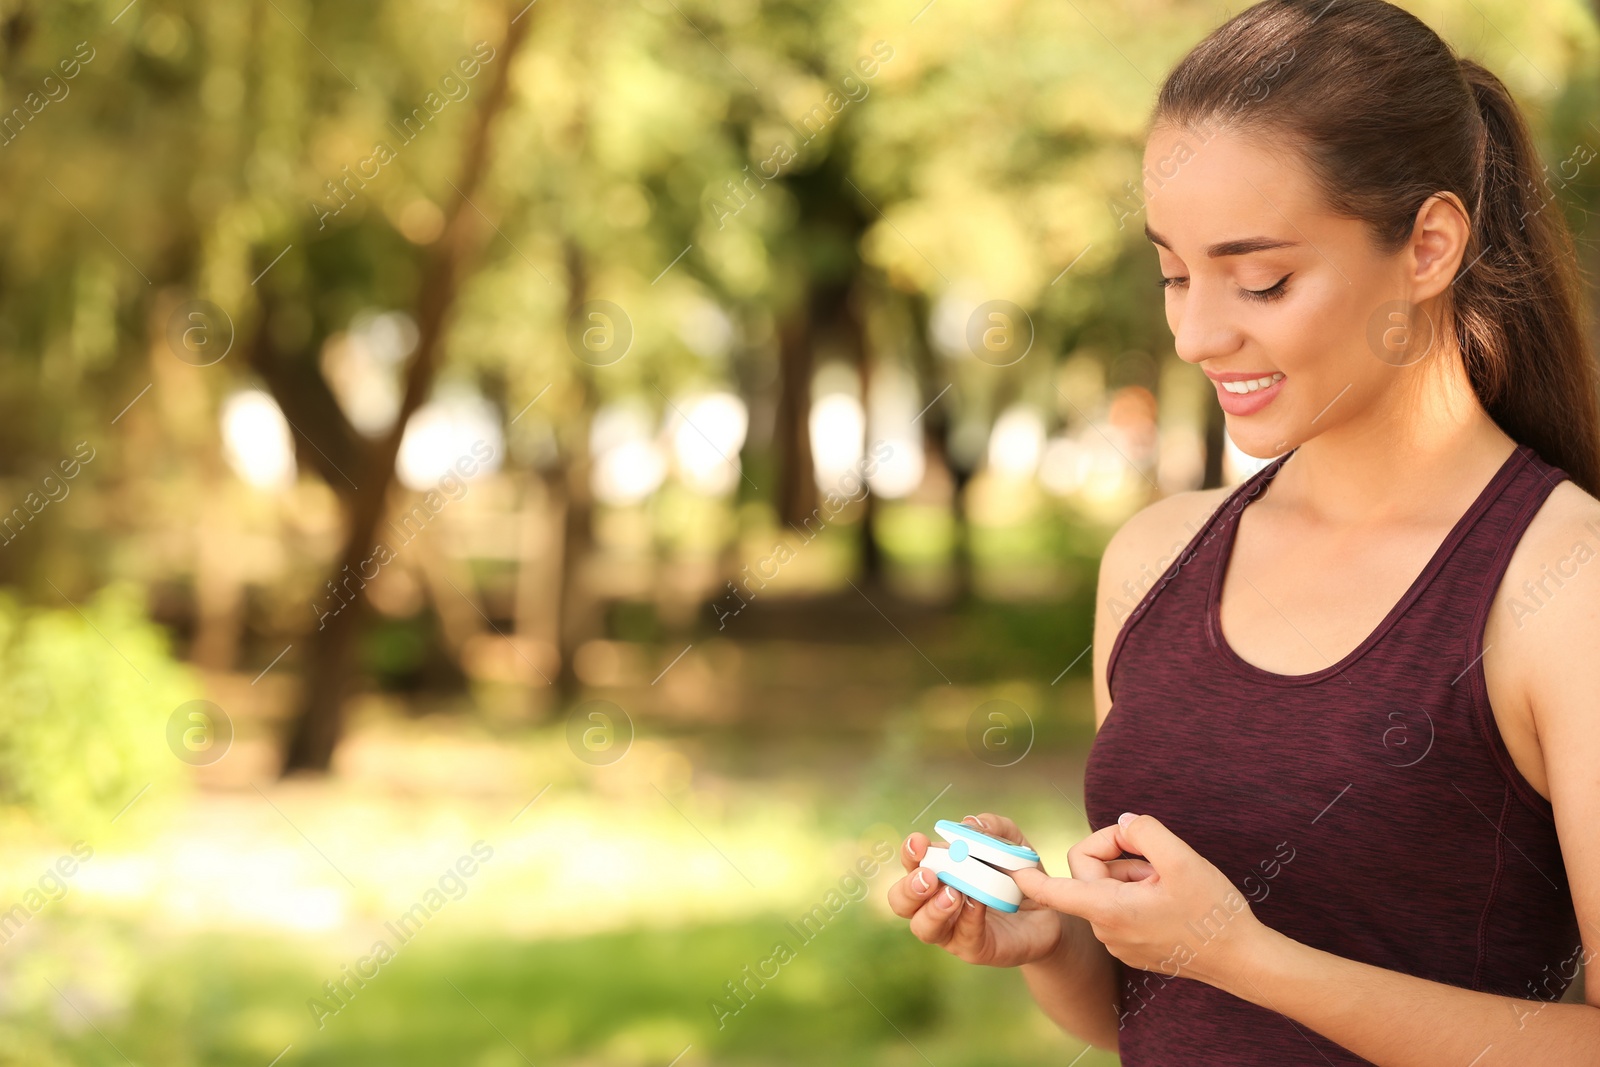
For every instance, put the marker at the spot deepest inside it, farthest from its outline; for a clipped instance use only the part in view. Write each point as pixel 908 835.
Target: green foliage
pixel 988 149
pixel 84 702
pixel 628 998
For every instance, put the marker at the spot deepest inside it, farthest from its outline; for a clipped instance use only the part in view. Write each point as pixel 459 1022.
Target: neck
pixel 1411 456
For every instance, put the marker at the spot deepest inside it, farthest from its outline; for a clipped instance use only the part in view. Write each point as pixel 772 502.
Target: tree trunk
pixel 577 618
pixel 797 485
pixel 850 321
pixel 319 721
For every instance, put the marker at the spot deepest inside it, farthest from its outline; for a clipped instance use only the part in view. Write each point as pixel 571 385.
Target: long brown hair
pixel 1386 116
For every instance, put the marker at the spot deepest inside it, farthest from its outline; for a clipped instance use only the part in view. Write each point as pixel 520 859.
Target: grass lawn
pixel 859 992
pixel 615 910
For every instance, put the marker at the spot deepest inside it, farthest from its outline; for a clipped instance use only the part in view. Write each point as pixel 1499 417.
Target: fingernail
pixel 971 903
pixel 947 899
pixel 1125 818
pixel 975 820
pixel 922 881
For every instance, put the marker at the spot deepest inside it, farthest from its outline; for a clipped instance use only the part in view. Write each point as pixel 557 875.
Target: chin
pixel 1259 443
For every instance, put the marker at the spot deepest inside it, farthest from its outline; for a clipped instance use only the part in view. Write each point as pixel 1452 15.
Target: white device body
pixel 969 865
pixel 976 874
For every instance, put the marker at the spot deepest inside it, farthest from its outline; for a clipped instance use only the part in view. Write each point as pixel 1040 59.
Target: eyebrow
pixel 1241 247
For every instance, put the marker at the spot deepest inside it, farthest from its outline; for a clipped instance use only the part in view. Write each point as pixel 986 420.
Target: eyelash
pixel 1264 296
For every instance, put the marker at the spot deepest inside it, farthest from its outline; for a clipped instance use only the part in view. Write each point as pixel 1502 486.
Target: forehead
pixel 1208 186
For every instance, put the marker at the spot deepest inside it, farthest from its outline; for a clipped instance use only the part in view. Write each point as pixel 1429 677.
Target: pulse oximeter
pixel 976 864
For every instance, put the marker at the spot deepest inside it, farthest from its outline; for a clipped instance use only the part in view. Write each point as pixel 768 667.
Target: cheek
pixel 1367 338
pixel 1316 332
pixel 1331 348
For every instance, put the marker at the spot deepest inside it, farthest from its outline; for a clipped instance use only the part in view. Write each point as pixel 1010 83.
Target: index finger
pixel 1075 896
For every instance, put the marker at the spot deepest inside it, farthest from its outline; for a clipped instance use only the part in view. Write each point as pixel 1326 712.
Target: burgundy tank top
pixel 1369 809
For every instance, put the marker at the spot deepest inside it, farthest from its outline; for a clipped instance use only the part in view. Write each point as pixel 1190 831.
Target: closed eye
pixel 1267 295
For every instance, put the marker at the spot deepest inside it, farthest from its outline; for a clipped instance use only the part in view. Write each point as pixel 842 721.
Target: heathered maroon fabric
pixel 1369 809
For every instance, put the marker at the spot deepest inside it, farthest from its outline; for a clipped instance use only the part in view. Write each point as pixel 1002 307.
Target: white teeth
pixel 1253 384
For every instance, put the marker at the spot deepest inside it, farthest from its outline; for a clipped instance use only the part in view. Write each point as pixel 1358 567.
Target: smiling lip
pixel 1242 404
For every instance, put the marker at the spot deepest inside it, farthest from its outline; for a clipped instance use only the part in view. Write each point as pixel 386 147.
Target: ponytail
pixel 1387 116
pixel 1517 317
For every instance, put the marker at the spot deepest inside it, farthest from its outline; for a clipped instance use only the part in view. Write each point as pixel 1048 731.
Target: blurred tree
pixel 319 719
pixel 792 171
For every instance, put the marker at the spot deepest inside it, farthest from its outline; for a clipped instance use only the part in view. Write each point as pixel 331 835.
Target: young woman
pixel 1353 711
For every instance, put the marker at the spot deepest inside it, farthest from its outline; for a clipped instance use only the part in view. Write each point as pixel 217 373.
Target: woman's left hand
pixel 1184 915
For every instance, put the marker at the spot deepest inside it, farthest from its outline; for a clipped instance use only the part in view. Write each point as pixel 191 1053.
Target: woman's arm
pixel 1398 1020
pixel 1079 985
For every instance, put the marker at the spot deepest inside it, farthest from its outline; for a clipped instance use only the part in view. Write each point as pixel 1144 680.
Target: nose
pixel 1200 324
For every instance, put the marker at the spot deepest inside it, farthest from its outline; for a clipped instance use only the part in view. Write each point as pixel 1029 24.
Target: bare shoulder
pixel 1543 627
pixel 1568 512
pixel 1548 602
pixel 1151 539
pixel 1135 557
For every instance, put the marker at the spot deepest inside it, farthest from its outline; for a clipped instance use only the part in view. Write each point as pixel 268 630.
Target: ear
pixel 1438 248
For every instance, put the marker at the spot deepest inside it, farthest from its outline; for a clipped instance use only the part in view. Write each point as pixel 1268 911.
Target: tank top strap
pixel 1199 555
pixel 1455 587
pixel 1466 571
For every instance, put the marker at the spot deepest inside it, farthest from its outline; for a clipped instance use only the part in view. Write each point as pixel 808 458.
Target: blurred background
pixel 510 514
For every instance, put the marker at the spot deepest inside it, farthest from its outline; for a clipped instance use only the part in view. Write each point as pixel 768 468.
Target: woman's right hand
pixel 963 927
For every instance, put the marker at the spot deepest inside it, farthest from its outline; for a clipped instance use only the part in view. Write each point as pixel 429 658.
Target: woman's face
pixel 1266 288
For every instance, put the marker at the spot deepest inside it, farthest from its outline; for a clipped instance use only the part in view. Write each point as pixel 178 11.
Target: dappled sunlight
pixel 513 512
pixel 562 853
